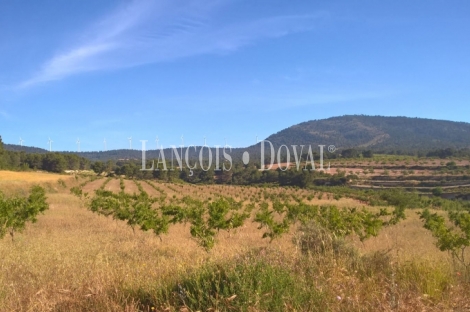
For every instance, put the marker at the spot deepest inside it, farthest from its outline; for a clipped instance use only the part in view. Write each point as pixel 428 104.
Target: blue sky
pixel 229 70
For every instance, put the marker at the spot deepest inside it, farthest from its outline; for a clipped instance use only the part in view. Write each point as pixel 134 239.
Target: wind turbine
pixel 21 141
pixel 78 144
pixel 104 142
pixel 130 142
pixel 256 139
pixel 156 140
pixel 182 140
pixel 50 144
pixel 205 141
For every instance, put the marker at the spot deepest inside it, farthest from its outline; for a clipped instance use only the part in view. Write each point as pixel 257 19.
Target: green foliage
pixel 314 240
pixel 25 158
pixel 340 222
pixel 437 191
pixel 451 165
pixel 15 212
pixel 207 218
pixel 367 154
pixel 344 222
pixel 61 183
pixel 200 230
pixel 150 213
pixel 392 197
pixel 98 167
pixel 402 199
pixel 250 283
pixel 122 186
pixel 105 183
pixel 265 218
pixel 155 188
pixel 434 279
pixel 135 209
pixel 454 236
pixel 77 191
pixel 224 214
pixel 350 153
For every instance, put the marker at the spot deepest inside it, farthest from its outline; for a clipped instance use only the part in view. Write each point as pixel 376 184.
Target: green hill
pixel 27 149
pixel 378 133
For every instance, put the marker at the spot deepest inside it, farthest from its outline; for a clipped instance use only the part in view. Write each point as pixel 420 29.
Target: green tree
pixel 437 191
pixel 367 154
pixel 350 153
pixel 15 212
pixel 98 167
pixel 54 162
pixel 2 161
pixel 109 166
pixel 451 165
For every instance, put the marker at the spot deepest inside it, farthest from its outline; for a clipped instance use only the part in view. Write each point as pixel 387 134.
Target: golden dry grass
pixel 407 240
pixel 12 182
pixel 74 260
pixel 30 176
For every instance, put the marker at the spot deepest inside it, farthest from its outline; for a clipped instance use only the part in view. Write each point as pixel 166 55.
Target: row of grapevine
pixel 208 217
pixel 155 187
pixel 78 190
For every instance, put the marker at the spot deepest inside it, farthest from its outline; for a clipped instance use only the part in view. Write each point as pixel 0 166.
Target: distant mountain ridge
pixel 377 133
pixel 27 149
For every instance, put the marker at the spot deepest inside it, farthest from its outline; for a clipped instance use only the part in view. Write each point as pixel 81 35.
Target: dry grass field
pixel 35 177
pixel 74 260
pixel 14 182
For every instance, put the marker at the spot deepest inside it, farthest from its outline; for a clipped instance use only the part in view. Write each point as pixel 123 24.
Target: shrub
pixel 62 183
pixel 437 191
pixel 432 279
pixel 250 283
pixel 313 239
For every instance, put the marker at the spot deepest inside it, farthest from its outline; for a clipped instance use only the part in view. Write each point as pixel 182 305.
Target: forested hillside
pixel 36 159
pixel 378 133
pixel 390 135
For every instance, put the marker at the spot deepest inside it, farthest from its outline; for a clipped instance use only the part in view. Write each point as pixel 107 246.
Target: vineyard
pixel 109 244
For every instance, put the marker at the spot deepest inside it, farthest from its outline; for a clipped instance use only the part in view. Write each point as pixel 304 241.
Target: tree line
pixel 52 162
pixel 239 174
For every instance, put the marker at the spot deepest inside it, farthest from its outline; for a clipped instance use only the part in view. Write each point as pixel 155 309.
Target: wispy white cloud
pixel 75 61
pixel 146 31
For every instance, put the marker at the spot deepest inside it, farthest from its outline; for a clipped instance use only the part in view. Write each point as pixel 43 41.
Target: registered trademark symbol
pixel 331 148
